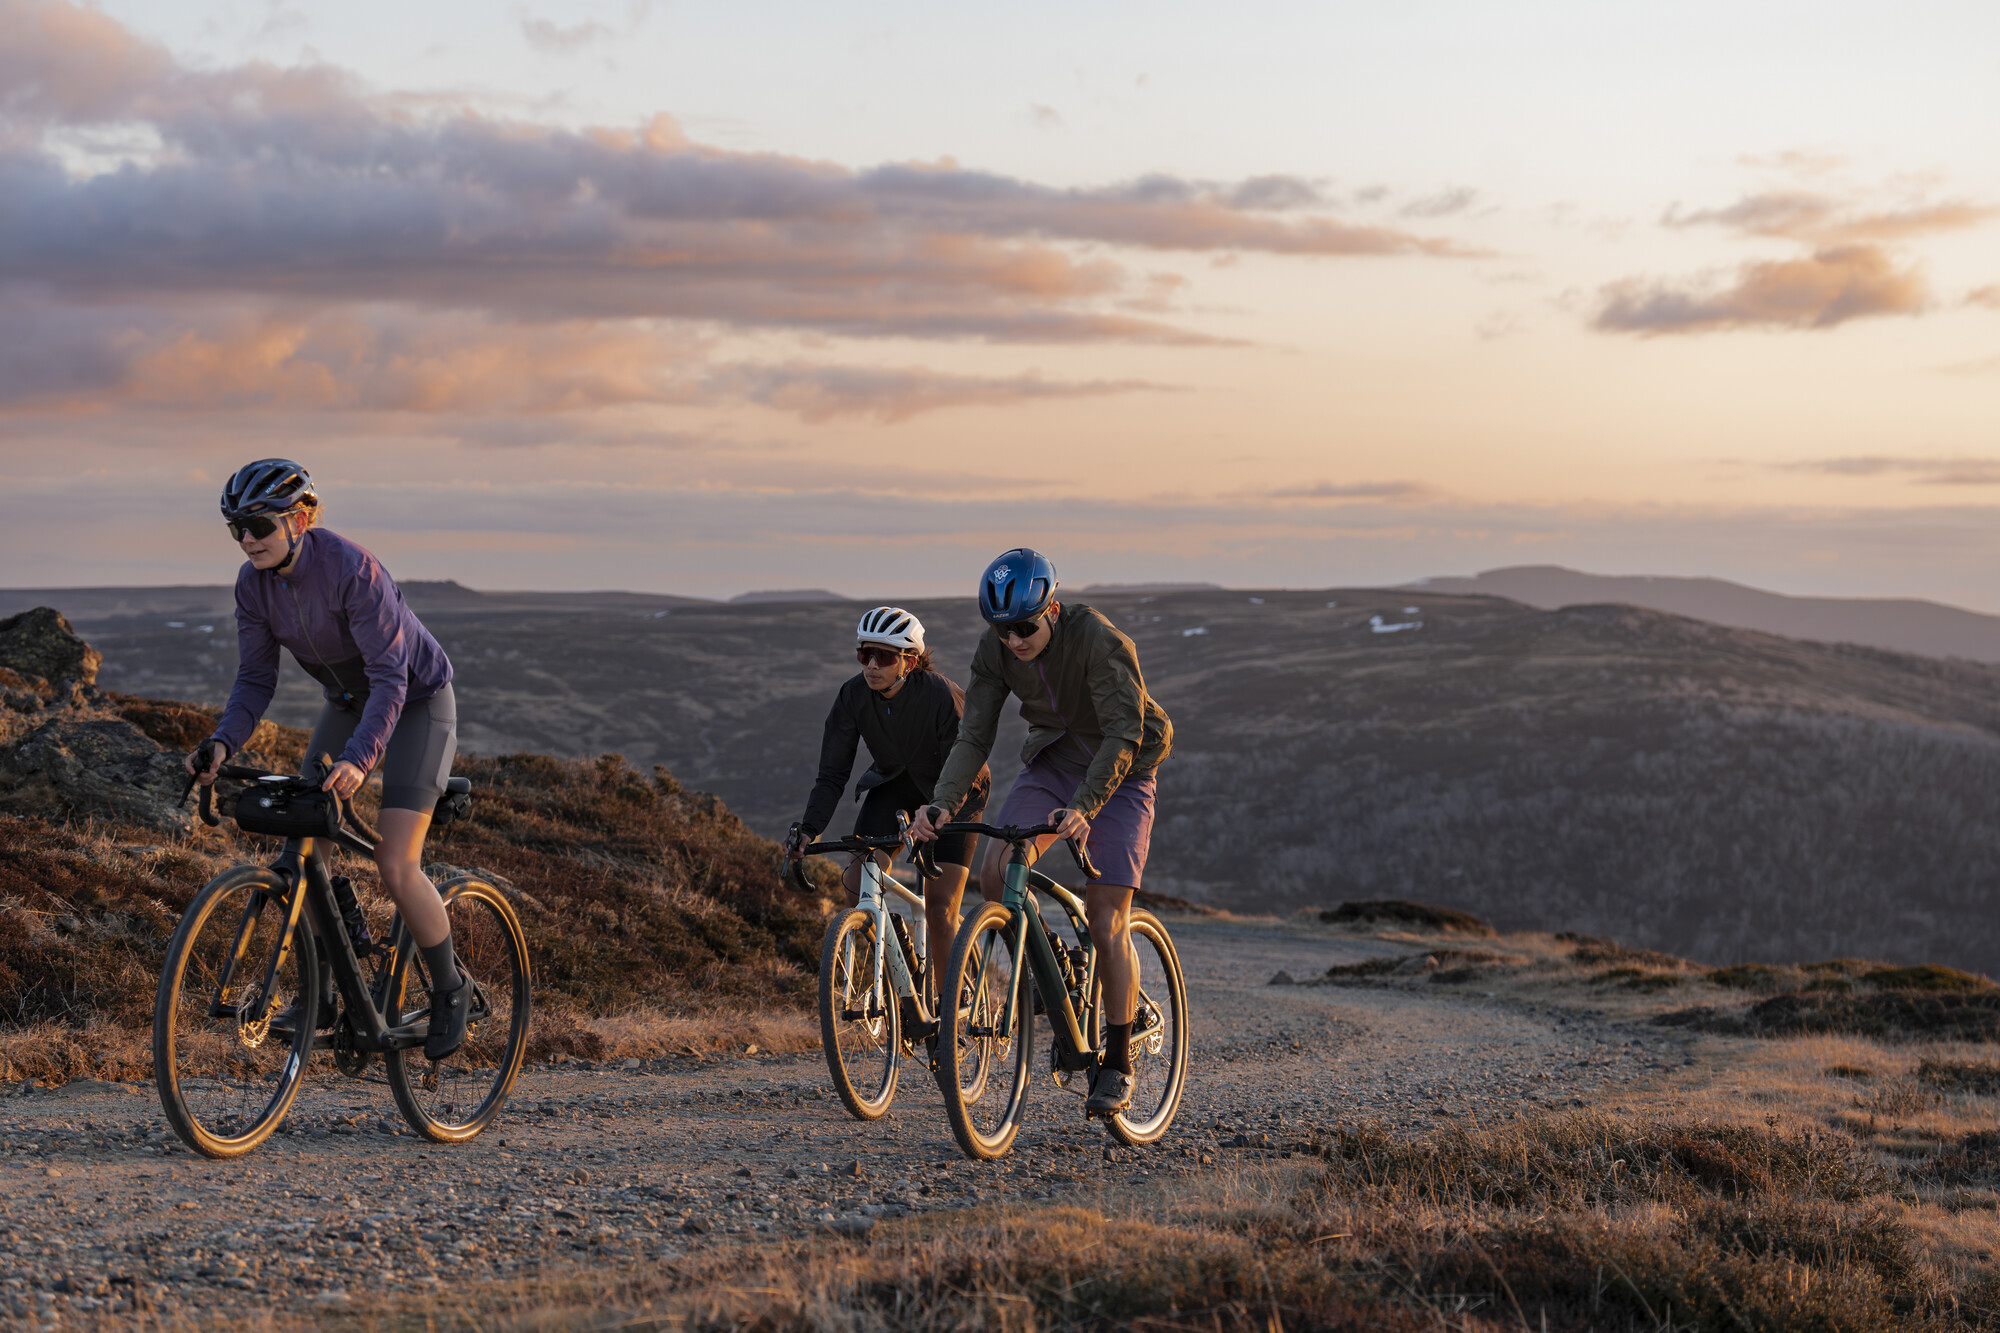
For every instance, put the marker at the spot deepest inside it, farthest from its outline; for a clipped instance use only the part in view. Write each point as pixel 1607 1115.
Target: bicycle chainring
pixel 347 1058
pixel 1065 1078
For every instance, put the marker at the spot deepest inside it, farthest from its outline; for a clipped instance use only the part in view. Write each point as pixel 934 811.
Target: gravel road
pixel 103 1212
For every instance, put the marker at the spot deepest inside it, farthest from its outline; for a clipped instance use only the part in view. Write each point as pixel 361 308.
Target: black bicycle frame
pixel 309 889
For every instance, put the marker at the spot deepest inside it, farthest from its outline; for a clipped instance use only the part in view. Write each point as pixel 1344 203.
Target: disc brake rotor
pixel 250 1032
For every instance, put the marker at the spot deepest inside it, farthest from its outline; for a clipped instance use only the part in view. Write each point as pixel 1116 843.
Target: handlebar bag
pixel 287 814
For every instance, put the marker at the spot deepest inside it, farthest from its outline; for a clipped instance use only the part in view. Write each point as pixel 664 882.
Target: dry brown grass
pixel 647 1034
pixel 1569 1222
pixel 648 909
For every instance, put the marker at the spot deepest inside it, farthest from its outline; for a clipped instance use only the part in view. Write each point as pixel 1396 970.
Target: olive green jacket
pixel 1086 682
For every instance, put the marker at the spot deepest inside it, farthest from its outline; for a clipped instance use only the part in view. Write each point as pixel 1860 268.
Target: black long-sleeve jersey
pixel 911 733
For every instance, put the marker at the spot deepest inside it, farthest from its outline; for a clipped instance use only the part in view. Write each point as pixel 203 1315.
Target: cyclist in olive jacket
pixel 908 714
pixel 1095 738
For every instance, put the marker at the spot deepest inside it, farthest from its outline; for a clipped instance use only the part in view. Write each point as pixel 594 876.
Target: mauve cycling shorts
pixel 418 757
pixel 1120 834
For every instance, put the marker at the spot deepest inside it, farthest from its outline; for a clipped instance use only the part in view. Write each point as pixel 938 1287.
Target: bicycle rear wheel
pixel 860 1027
pixel 450 1100
pixel 226 1077
pixel 1160 1036
pixel 984 973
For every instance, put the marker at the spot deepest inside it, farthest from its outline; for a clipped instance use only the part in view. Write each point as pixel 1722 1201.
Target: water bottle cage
pixel 352 916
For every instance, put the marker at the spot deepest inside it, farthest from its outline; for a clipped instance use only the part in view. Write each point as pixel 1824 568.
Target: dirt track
pixel 102 1211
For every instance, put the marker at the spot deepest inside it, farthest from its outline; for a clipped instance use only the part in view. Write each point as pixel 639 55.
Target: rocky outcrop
pixel 41 653
pixel 64 749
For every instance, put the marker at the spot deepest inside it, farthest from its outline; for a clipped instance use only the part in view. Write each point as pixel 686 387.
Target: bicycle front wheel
pixel 984 1102
pixel 450 1100
pixel 1160 1036
pixel 226 1073
pixel 860 1024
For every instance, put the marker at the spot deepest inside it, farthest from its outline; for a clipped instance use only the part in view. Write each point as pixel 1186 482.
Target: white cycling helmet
pixel 894 626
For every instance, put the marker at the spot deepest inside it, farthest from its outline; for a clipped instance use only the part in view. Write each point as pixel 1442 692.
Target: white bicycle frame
pixel 876 888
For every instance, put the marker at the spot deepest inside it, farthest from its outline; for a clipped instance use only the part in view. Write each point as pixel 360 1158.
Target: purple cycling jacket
pixel 344 620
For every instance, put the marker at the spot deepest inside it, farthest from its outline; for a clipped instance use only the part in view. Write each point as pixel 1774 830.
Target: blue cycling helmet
pixel 267 486
pixel 1018 585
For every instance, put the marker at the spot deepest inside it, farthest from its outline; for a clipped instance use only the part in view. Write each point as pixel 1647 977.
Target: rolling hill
pixel 1713 792
pixel 1901 624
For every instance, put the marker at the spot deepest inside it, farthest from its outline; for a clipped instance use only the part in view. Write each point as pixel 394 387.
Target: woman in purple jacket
pixel 388 696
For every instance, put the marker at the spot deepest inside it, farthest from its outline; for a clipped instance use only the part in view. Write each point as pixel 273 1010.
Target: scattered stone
pixel 791 1173
pixel 630 1063
pixel 853 1168
pixel 1281 978
pixel 858 1224
pixel 743 1171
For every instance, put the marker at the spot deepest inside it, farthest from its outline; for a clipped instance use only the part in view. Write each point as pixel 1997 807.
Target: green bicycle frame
pixel 1034 945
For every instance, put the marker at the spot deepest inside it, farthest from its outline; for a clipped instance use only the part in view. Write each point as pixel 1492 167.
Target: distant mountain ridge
pixel 1901 624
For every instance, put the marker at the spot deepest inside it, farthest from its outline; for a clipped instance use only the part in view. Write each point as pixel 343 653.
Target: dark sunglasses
pixel 259 527
pixel 876 657
pixel 1023 630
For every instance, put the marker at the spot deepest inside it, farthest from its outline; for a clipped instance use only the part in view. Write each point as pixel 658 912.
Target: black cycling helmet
pixel 1018 585
pixel 267 486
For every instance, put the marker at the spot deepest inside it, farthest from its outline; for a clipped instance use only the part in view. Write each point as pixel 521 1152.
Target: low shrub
pixel 1399 911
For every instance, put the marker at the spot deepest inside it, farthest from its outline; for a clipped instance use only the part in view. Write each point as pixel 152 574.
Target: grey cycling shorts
pixel 418 758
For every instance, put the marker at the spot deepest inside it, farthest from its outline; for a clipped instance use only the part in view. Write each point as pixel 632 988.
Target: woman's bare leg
pixel 399 857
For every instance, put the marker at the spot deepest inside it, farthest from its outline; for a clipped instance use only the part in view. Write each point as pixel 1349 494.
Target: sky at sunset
pixel 701 298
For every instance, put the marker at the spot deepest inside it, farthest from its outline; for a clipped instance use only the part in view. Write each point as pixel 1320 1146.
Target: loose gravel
pixel 103 1212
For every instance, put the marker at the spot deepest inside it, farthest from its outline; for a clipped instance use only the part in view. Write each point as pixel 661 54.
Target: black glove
pixel 796 839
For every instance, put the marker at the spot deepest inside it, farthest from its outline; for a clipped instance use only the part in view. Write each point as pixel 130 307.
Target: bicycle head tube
pixel 1016 895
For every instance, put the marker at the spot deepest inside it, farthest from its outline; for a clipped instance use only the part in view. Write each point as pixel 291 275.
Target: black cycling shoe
pixel 287 1019
pixel 1110 1094
pixel 449 1010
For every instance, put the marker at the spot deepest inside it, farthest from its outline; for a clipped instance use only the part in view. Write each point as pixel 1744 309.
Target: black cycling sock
pixel 443 966
pixel 1118 1047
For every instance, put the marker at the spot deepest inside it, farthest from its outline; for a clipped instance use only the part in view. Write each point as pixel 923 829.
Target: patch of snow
pixel 1144 600
pixel 206 629
pixel 1379 626
pixel 661 615
pixel 1331 605
pixel 177 624
pixel 1256 601
pixel 1411 610
pixel 1190 633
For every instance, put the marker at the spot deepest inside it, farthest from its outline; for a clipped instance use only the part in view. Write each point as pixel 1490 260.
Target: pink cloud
pixel 1820 291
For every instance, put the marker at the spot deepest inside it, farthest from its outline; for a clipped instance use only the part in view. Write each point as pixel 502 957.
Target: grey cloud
pixel 1820 291
pixel 555 39
pixel 1442 204
pixel 1924 471
pixel 1368 490
pixel 1824 219
pixel 820 393
pixel 295 184
pixel 376 363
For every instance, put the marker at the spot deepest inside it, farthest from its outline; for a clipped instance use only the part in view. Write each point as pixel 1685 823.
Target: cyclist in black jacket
pixel 908 714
